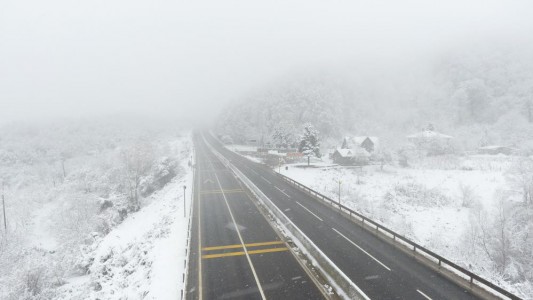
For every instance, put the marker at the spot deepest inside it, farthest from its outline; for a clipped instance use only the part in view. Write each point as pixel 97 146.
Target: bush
pixel 33 281
pixel 467 195
pixel 416 194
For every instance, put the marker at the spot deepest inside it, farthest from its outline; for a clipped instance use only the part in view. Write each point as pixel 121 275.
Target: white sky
pixel 187 58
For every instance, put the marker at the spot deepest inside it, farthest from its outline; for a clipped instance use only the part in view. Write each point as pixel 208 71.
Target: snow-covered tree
pixel 137 161
pixel 282 135
pixel 521 175
pixel 310 142
pixel 344 144
pixel 226 139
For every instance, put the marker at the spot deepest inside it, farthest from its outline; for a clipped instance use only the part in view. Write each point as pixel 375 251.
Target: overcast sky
pixel 188 58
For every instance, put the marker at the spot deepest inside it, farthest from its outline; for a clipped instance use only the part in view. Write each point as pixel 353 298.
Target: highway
pixel 235 253
pixel 379 269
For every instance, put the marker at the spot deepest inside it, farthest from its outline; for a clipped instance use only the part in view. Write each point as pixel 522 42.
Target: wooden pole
pixel 339 193
pixel 184 199
pixel 4 208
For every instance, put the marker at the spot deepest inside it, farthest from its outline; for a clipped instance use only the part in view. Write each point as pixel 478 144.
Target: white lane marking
pixel 309 211
pixel 426 296
pixel 382 264
pixel 282 192
pixel 241 240
pixel 253 171
pixel 200 286
pixel 266 180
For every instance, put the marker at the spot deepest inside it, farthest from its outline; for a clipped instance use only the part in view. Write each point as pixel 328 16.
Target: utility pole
pixel 4 208
pixel 184 206
pixel 339 194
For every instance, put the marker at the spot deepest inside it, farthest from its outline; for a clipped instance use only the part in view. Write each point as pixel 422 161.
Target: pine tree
pixel 344 144
pixel 310 142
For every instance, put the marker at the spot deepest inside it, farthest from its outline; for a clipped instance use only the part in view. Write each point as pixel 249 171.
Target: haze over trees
pixel 480 95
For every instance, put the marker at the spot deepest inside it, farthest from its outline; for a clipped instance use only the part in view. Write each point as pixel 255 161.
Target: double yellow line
pixel 239 246
pixel 221 191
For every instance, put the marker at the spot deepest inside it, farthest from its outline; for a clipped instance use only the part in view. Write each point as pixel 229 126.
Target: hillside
pixel 479 97
pixel 67 184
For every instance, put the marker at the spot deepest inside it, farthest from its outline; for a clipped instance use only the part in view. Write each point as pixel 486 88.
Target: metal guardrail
pixel 473 278
pixel 187 259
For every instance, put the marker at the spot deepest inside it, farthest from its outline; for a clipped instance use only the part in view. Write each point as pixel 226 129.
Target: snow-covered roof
pixel 345 152
pixel 429 134
pixel 495 147
pixel 358 140
pixel 353 152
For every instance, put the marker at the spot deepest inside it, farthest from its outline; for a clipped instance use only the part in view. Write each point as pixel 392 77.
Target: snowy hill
pixel 68 184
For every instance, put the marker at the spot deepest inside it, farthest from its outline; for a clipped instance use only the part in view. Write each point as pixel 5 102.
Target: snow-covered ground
pixel 429 203
pixel 94 210
pixel 366 190
pixel 143 257
pixel 439 202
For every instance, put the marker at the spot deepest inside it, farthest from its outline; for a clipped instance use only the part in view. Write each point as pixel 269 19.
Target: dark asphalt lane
pixel 375 266
pixel 225 218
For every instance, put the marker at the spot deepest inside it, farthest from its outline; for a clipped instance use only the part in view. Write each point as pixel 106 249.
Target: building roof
pixel 356 152
pixel 429 134
pixel 358 140
pixel 496 147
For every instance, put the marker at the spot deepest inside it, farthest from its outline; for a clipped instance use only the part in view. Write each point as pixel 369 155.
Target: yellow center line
pixel 240 246
pixel 239 253
pixel 221 191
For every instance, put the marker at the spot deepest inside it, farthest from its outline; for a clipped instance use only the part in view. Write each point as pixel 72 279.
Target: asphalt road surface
pixel 235 253
pixel 379 269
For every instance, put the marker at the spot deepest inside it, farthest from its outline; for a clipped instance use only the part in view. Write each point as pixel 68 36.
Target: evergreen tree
pixel 310 142
pixel 344 144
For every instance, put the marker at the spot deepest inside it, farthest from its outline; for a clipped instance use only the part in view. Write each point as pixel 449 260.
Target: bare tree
pixel 496 233
pixel 137 161
pixel 467 195
pixel 521 174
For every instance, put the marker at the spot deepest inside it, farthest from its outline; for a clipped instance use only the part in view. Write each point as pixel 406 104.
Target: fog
pixel 186 59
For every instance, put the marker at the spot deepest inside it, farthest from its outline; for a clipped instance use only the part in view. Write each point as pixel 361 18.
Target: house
pixel 496 149
pixel 435 143
pixel 351 157
pixel 369 143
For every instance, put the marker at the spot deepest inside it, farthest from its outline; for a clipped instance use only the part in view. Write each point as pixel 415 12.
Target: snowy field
pixel 446 204
pixel 452 205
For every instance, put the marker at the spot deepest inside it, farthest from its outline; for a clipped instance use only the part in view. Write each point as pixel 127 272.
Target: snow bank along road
pixel 235 253
pixel 379 269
